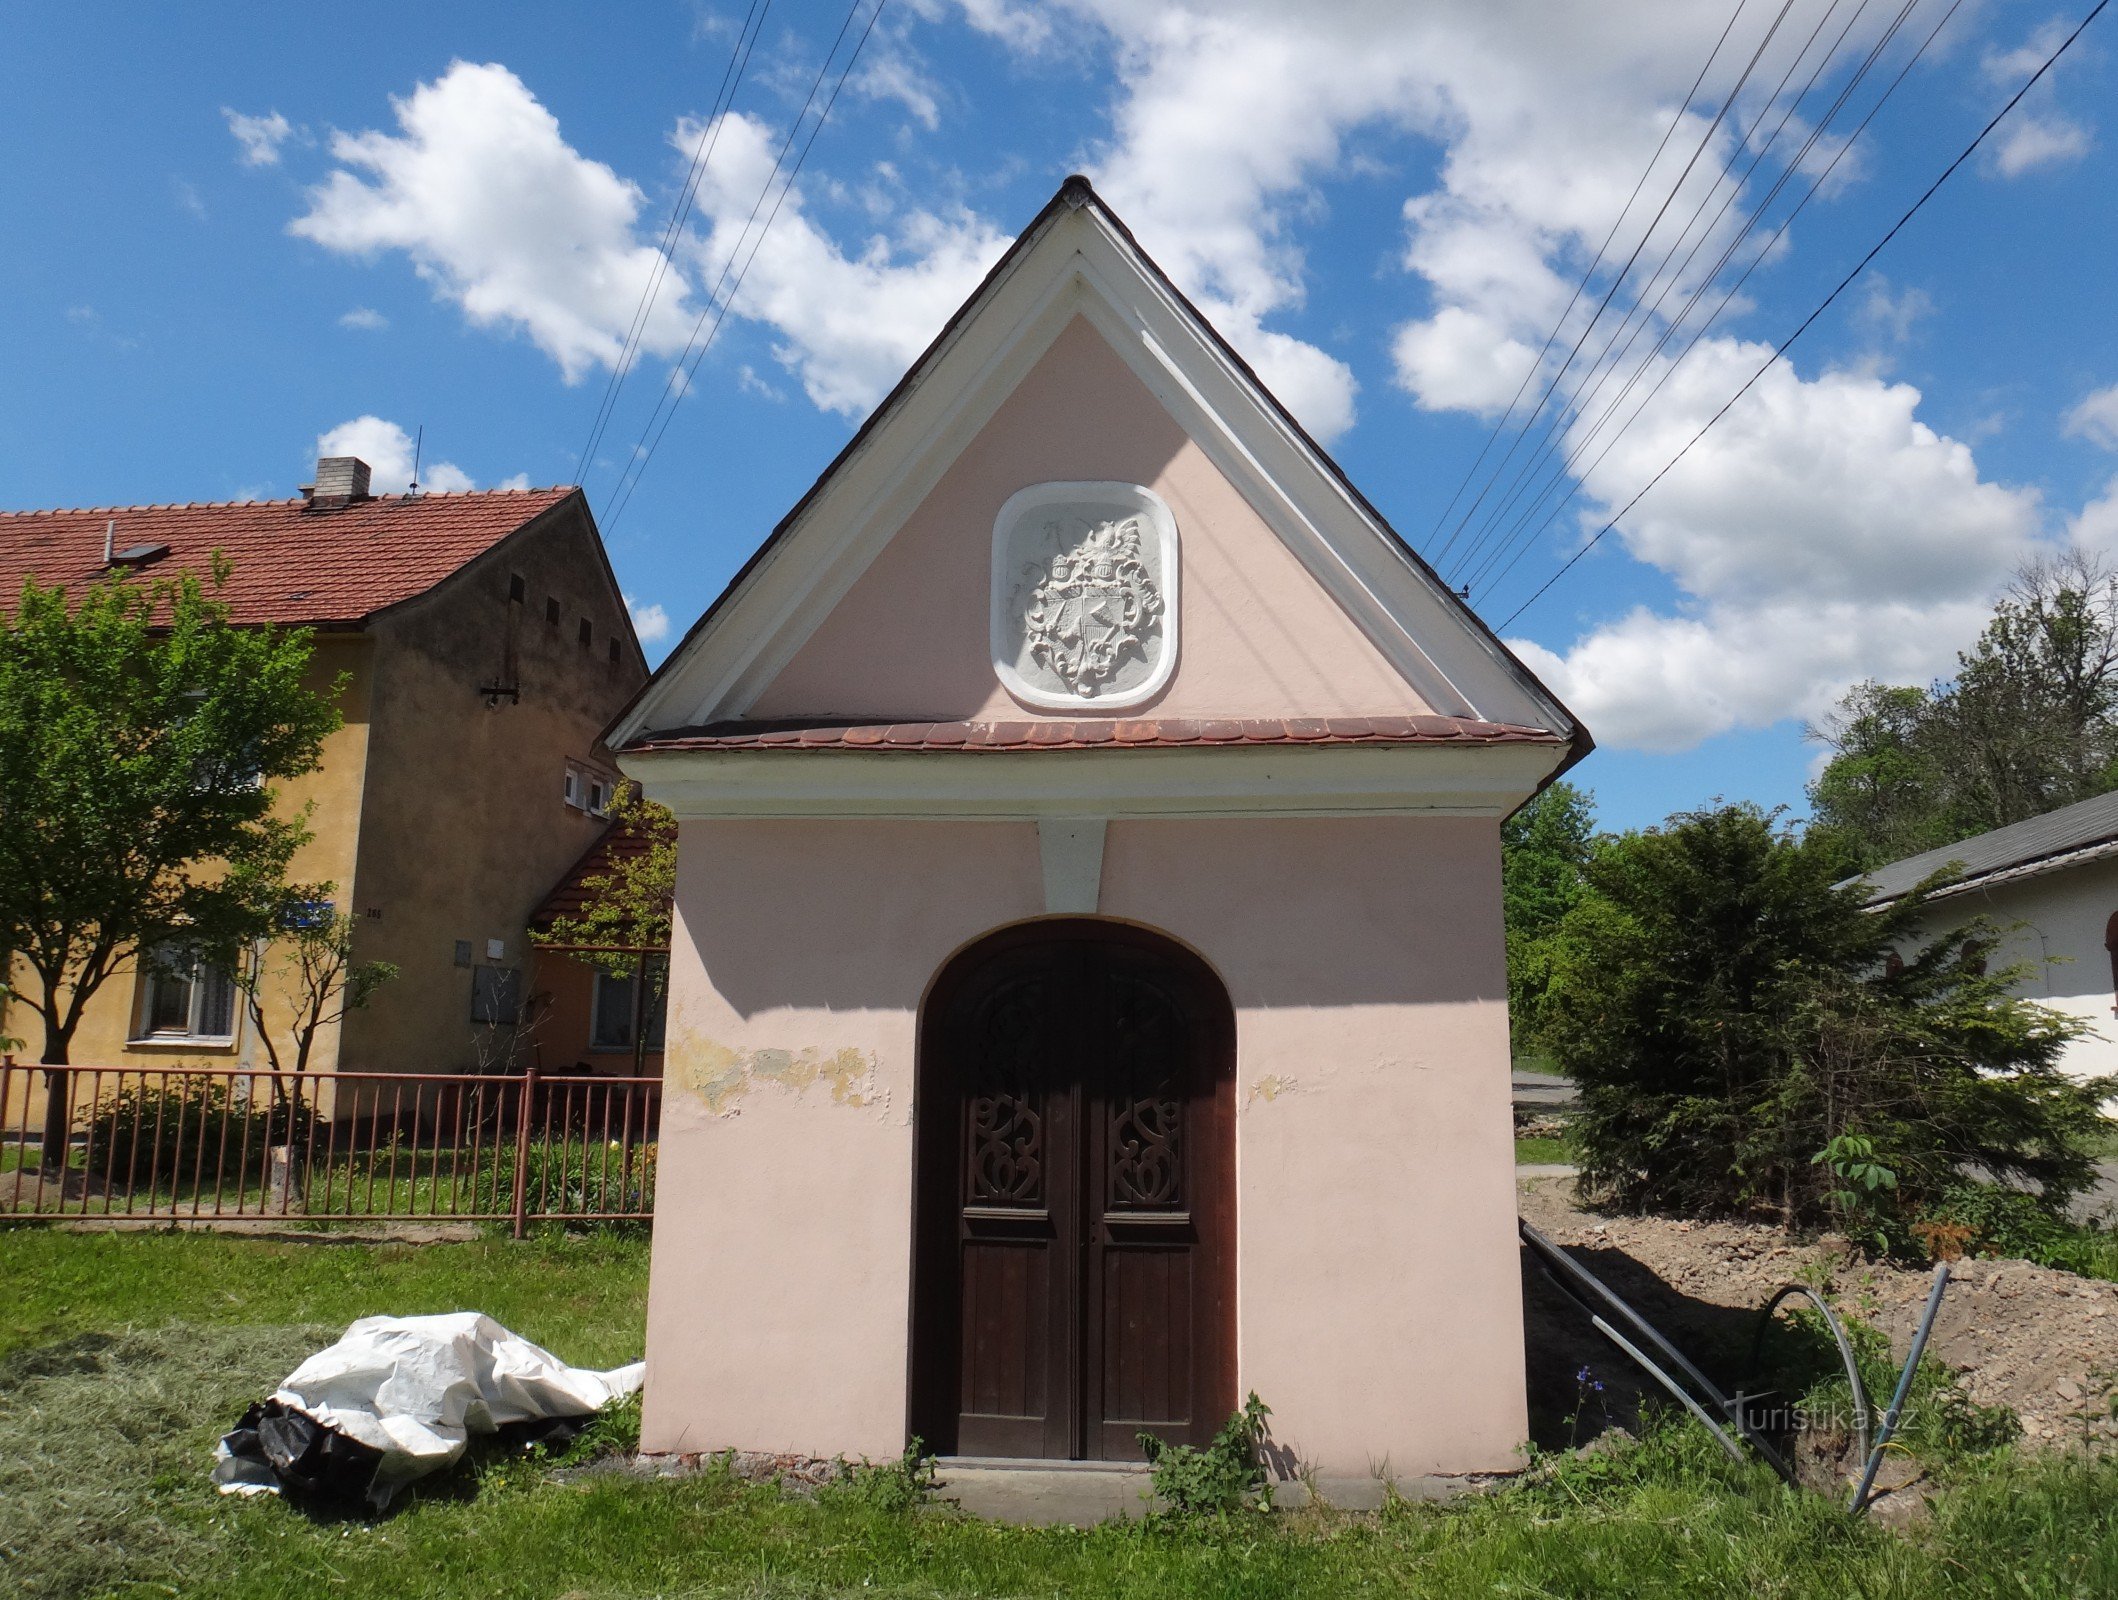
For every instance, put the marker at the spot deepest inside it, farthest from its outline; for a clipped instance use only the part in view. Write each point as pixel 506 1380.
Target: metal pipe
pixel 1581 1276
pixel 1904 1384
pixel 1861 1406
pixel 1735 1452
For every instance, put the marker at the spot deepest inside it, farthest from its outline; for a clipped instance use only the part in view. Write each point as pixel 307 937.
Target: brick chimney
pixel 339 479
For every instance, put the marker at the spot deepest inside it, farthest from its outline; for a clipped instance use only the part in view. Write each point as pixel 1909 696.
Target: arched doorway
pixel 1074 1272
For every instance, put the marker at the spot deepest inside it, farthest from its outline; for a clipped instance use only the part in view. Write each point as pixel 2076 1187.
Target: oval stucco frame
pixel 999 636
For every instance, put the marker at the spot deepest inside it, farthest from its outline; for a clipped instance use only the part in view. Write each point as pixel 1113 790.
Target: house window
pixel 185 998
pixel 551 609
pixel 589 790
pixel 611 1020
pixel 515 587
pixel 588 633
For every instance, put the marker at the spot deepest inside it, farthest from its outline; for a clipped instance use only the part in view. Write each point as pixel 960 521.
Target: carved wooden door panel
pixel 1074 1279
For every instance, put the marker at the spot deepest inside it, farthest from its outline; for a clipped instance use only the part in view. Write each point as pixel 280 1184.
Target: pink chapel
pixel 1088 993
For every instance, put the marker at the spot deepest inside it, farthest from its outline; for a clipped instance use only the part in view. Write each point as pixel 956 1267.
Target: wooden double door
pixel 1074 1276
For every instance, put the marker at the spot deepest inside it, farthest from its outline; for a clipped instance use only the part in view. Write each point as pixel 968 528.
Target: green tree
pixel 139 736
pixel 2028 724
pixel 1544 849
pixel 1883 788
pixel 307 967
pixel 623 925
pixel 1748 1035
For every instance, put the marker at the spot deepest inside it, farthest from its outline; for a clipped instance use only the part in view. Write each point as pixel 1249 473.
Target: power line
pixel 717 303
pixel 1617 222
pixel 1859 267
pixel 1705 141
pixel 724 98
pixel 1513 537
pixel 1523 537
pixel 1642 311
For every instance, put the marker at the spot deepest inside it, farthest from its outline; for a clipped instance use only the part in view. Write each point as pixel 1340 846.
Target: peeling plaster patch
pixel 1269 1088
pixel 722 1076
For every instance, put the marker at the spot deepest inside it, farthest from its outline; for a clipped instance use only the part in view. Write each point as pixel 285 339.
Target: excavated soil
pixel 2042 1342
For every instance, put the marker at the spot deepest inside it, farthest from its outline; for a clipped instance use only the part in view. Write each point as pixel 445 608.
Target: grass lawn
pixel 1532 1152
pixel 129 1354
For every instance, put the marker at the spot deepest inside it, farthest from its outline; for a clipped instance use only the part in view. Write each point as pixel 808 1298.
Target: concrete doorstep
pixel 1083 1493
pixel 1045 1493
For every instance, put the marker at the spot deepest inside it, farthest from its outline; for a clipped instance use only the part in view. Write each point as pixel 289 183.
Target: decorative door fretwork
pixel 1004 1155
pixel 1145 1146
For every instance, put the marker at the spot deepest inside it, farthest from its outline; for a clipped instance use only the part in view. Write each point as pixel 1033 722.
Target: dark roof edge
pixel 1063 200
pixel 2017 867
pixel 1329 463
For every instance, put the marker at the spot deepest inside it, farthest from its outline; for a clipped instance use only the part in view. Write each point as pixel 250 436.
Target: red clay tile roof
pixel 292 562
pixel 1100 733
pixel 569 897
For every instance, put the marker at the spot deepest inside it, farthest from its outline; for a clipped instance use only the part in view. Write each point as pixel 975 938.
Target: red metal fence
pixel 165 1143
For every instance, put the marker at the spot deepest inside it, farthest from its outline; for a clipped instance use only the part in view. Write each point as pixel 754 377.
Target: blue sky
pixel 235 235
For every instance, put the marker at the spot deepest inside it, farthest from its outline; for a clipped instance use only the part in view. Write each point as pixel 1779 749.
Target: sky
pixel 240 238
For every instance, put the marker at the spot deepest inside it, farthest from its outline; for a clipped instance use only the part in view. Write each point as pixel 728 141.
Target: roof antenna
pixel 110 536
pixel 418 444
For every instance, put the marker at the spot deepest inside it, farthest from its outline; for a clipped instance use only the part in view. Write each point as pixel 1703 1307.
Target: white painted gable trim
pixel 1075 266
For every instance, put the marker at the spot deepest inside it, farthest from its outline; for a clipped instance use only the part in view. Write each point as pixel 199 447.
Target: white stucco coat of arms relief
pixel 1084 595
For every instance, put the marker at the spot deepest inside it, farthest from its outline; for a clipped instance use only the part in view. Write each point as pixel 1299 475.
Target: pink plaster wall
pixel 1257 637
pixel 1378 1303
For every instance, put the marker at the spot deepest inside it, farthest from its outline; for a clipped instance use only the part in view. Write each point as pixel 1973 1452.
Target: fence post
pixel 522 1144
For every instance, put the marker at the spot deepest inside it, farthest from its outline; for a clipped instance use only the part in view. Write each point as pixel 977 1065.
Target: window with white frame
pixel 618 1005
pixel 589 790
pixel 185 998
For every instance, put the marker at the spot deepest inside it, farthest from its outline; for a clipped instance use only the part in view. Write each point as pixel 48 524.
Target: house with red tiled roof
pixel 482 644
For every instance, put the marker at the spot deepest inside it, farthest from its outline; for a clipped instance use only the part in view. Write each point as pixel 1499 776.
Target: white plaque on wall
pixel 1084 595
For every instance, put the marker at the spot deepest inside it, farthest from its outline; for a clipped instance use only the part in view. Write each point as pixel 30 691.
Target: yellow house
pixel 483 644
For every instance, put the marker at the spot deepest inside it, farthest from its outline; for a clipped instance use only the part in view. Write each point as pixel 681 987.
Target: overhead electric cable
pixel 679 212
pixel 717 303
pixel 1617 222
pixel 1840 288
pixel 1641 313
pixel 1669 370
pixel 1577 438
pixel 1705 141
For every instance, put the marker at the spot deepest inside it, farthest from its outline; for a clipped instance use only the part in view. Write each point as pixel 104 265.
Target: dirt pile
pixel 2042 1342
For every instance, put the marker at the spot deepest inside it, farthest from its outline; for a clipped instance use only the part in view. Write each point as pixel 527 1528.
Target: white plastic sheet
pixel 417 1388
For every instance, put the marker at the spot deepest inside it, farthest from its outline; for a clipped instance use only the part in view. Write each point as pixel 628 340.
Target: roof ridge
pixel 284 500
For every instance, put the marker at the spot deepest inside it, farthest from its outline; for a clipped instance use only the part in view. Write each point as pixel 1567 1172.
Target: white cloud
pixel 2095 527
pixel 1891 318
pixel 502 216
pixel 649 621
pixel 2036 133
pixel 849 323
pixel 1021 25
pixel 366 318
pixel 387 449
pixel 188 199
pixel 2095 418
pixel 1820 534
pixel 891 71
pixel 748 381
pixel 2032 139
pixel 259 138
